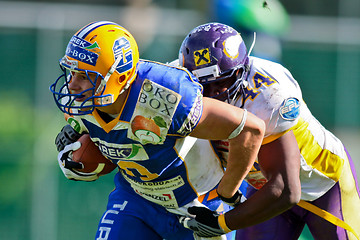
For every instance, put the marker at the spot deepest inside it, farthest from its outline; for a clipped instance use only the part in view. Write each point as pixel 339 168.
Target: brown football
pixel 90 156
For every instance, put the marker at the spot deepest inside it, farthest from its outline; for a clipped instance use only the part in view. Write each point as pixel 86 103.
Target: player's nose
pixel 74 83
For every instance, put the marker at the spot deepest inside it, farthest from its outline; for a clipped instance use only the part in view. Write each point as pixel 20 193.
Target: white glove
pixel 68 166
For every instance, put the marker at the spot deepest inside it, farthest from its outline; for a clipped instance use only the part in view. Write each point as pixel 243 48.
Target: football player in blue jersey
pixel 153 122
pixel 302 169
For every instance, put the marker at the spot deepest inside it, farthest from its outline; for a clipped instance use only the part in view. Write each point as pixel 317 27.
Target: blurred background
pixel 318 41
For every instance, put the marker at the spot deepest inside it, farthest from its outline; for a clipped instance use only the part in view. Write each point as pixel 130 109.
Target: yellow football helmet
pixel 106 49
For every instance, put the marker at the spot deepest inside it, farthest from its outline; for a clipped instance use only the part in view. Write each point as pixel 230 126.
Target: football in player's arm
pixel 152 121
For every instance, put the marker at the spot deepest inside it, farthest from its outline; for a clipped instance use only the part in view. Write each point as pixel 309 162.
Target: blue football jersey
pixel 149 139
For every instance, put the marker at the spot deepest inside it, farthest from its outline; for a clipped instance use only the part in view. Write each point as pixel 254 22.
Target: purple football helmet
pixel 213 52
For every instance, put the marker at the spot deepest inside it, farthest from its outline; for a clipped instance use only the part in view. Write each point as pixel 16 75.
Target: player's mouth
pixel 80 97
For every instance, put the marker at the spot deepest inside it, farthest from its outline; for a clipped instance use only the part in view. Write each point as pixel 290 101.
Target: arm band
pixel 238 130
pixel 222 223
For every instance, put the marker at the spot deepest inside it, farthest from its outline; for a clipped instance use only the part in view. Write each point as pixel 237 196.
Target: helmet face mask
pixel 66 100
pixel 214 52
pixel 101 49
pixel 230 81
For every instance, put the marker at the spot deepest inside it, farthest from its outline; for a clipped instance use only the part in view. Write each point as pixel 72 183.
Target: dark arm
pixel 280 163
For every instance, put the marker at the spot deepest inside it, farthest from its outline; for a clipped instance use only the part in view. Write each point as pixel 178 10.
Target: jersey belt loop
pixel 327 216
pixel 239 128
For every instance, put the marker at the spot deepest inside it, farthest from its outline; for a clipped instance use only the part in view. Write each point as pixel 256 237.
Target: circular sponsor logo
pixel 290 109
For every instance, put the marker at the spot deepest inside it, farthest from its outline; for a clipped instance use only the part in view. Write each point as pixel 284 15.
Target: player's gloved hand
pixel 234 200
pixel 66 136
pixel 68 166
pixel 205 224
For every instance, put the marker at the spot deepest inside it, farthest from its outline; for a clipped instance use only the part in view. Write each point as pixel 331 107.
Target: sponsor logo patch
pixel 77 49
pixel 255 178
pixel 124 152
pixel 74 124
pixel 202 57
pixel 161 192
pixel 153 114
pixel 71 63
pixel 290 109
pixel 193 116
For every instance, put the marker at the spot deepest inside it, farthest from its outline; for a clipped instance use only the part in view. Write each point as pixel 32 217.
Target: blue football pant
pixel 129 216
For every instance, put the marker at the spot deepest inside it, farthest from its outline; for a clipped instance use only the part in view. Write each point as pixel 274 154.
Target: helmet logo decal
pixel 92 46
pixel 77 49
pixel 122 50
pixel 202 57
pixel 231 46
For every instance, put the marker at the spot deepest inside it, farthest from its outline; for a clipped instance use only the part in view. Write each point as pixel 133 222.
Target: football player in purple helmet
pixel 301 167
pixel 214 52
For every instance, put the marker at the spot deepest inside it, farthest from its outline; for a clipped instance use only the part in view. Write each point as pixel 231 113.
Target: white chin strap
pixel 108 75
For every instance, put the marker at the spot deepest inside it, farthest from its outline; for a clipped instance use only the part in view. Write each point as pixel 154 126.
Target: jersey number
pixel 259 80
pixel 129 167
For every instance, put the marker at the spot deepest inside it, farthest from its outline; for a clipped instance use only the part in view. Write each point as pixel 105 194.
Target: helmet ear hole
pixel 215 44
pixel 122 78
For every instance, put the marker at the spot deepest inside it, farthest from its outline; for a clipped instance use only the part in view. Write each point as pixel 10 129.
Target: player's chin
pixel 84 105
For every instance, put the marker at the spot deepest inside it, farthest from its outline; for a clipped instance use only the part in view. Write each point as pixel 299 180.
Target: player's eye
pixel 79 76
pixel 83 77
